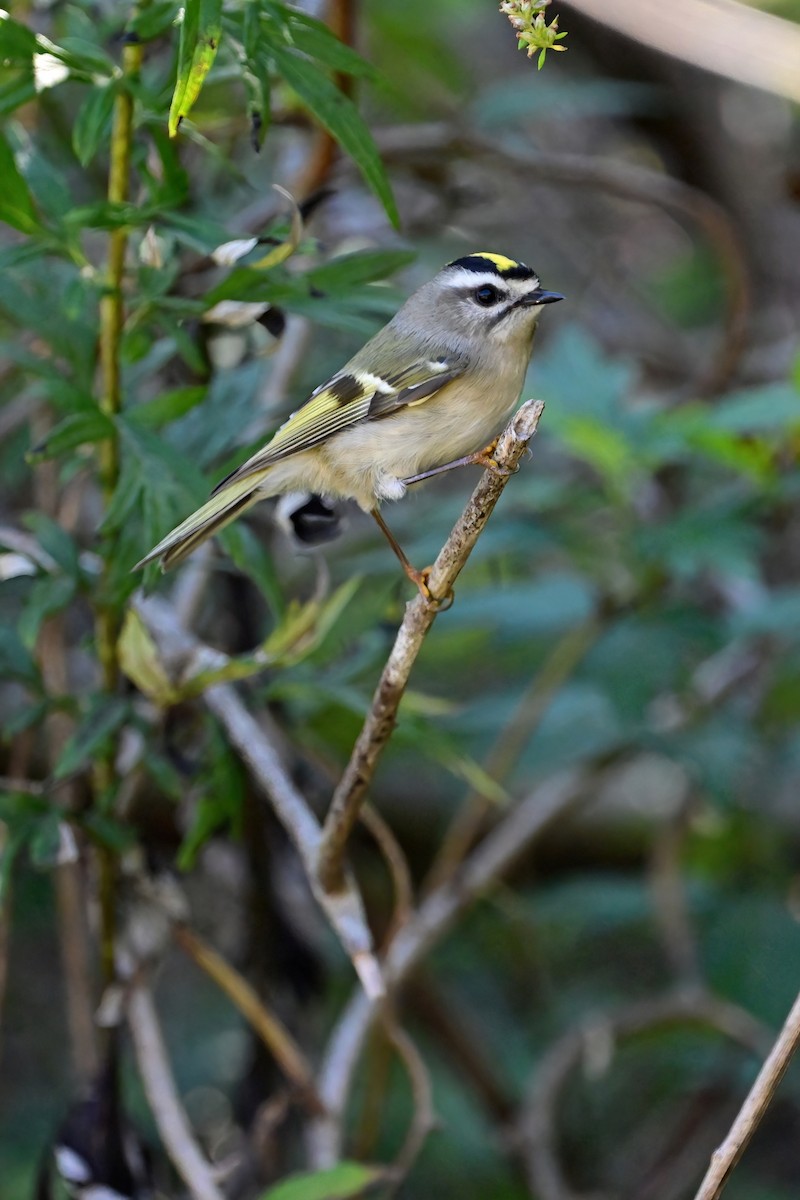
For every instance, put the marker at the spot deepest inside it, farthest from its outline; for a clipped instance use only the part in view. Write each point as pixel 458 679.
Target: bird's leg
pixel 420 578
pixel 481 458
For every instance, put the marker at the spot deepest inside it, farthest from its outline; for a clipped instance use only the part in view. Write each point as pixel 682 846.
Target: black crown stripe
pixel 479 264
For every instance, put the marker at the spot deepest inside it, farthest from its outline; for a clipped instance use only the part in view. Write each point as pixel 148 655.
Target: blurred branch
pixel 419 617
pixel 423 1120
pixel 5 945
pixel 183 652
pixel 731 39
pixel 273 1033
pixel 593 1043
pixel 162 1096
pixel 759 1097
pixel 504 846
pixel 398 867
pixel 449 1023
pixel 74 942
pixel 618 179
pixel 669 895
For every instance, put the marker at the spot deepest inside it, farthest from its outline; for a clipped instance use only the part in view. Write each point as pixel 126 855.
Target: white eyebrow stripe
pixel 462 278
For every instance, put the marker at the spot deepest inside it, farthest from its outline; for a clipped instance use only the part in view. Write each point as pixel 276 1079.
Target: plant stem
pixel 112 315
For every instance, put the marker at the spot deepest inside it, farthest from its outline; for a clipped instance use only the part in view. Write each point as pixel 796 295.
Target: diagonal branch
pixel 182 651
pixel 725 1158
pixel 419 617
pixel 504 846
pixel 162 1095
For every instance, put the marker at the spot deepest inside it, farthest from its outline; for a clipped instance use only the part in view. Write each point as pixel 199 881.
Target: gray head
pixel 483 299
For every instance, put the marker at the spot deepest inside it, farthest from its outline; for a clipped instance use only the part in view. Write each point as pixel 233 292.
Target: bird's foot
pixel 437 603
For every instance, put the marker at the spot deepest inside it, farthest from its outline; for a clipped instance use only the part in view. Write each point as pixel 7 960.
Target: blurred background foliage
pixel 632 608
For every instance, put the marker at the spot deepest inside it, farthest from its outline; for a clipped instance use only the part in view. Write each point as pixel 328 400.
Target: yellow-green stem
pixel 112 316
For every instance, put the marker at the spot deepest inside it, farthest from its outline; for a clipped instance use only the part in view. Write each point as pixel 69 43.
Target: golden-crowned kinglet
pixel 428 391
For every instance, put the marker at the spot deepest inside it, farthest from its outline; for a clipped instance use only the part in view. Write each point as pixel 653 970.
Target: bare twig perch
pixel 724 1159
pixel 380 722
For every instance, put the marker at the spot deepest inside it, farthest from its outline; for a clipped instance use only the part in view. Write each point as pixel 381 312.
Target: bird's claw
pixel 437 603
pixel 485 458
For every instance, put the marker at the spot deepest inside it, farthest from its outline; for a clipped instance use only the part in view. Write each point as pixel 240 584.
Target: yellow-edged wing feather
pixel 348 398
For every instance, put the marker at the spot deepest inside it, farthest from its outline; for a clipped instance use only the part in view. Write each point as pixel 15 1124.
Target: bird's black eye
pixel 487 295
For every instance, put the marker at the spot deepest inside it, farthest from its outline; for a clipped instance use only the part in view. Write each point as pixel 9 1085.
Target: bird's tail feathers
pixel 213 516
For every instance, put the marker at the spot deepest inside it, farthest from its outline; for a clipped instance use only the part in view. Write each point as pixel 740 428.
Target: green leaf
pixel 10 849
pixel 17 43
pixel 111 214
pixel 78 429
pixel 200 34
pixel 140 660
pixel 17 92
pixel 154 20
pixel 46 844
pixel 363 266
pixel 85 57
pixel 345 1180
pixel 125 496
pixel 16 661
pixel 340 117
pixel 106 714
pixel 49 595
pixel 16 204
pixel 302 629
pixel 169 481
pixel 314 38
pixel 24 717
pixel 774 407
pixel 168 406
pixel 55 540
pixel 251 556
pixel 108 832
pixel 93 122
pixel 221 805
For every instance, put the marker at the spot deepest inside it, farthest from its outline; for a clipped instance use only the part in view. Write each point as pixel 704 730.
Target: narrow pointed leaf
pixel 140 661
pixel 340 117
pixel 344 1181
pixel 200 33
pixel 16 204
pixel 93 122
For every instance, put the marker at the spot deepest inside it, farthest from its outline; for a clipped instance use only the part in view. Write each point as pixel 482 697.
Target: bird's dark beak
pixel 540 296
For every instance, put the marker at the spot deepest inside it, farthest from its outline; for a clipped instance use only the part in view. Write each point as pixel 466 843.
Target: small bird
pixel 426 394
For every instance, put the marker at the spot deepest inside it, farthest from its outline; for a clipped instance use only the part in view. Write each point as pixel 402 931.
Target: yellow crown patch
pixel 500 261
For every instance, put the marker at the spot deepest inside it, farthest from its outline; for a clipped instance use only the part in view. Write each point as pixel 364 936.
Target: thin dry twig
pixel 397 864
pixel 424 1119
pixel 725 1158
pixel 457 1035
pixel 419 617
pixel 182 652
pixel 507 842
pixel 592 1043
pixel 162 1096
pixel 273 1033
pixel 671 904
